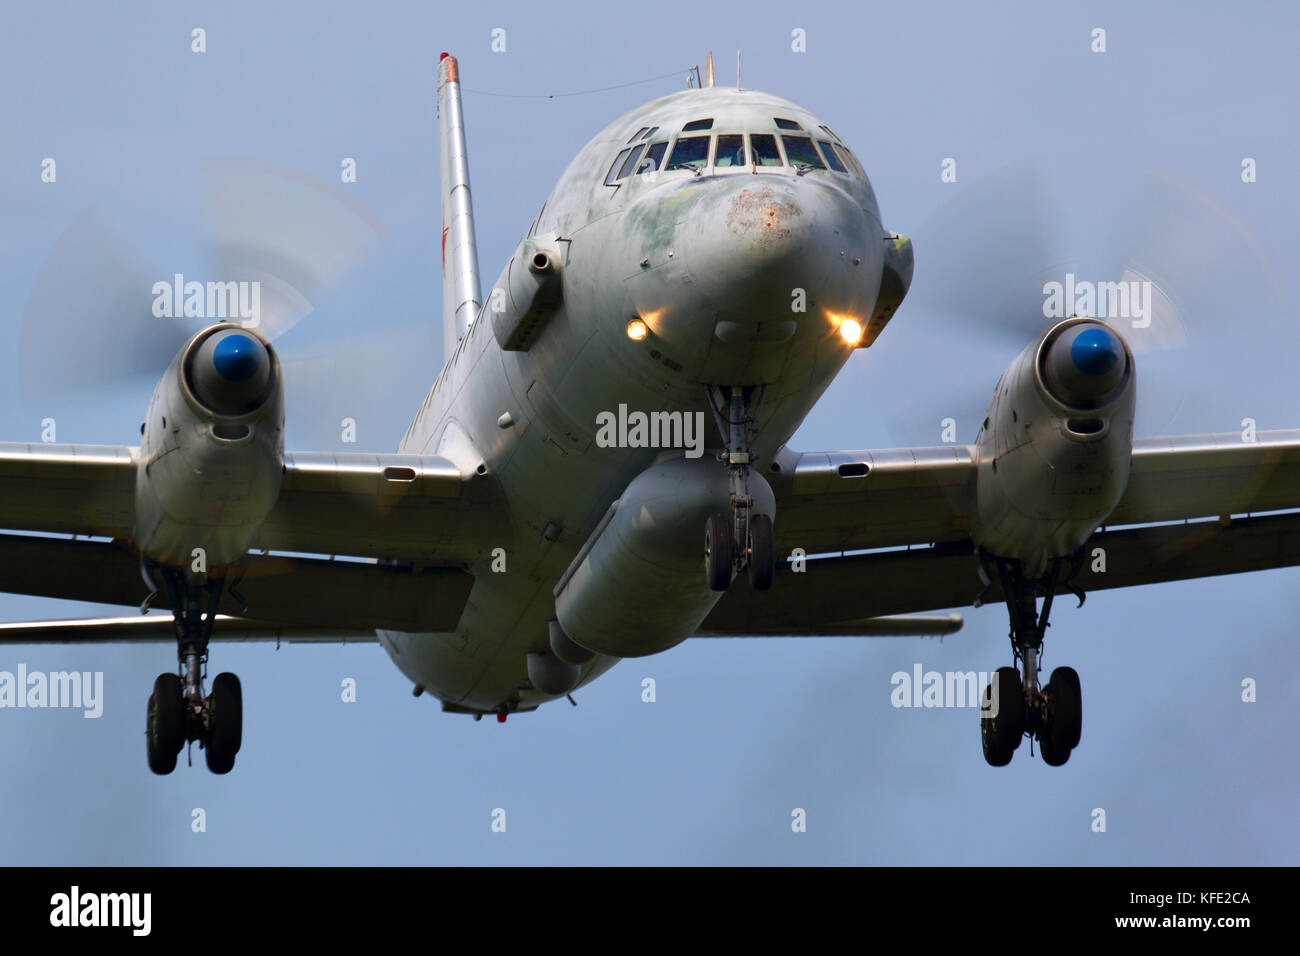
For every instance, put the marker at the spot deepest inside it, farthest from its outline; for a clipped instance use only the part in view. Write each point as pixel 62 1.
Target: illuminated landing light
pixel 637 330
pixel 851 331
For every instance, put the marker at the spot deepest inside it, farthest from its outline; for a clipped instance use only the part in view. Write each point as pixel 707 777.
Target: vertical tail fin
pixel 460 288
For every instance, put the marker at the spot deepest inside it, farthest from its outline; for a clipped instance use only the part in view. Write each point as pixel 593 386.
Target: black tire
pixel 1064 709
pixel 226 709
pixel 165 724
pixel 1001 734
pixel 762 552
pixel 995 755
pixel 1052 755
pixel 718 552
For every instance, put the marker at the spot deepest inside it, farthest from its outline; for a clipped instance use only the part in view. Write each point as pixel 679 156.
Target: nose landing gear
pixel 742 540
pixel 1014 706
pixel 178 711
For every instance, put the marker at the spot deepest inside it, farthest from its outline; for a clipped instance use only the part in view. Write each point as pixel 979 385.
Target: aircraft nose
pixel 773 248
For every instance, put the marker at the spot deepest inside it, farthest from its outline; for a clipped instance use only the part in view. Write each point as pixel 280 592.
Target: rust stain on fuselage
pixel 755 213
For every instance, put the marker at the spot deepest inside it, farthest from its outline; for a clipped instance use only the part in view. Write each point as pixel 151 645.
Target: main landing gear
pixel 179 713
pixel 741 540
pixel 1014 706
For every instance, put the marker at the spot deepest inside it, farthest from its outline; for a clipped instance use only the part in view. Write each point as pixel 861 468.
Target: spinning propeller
pixel 1163 263
pixel 101 315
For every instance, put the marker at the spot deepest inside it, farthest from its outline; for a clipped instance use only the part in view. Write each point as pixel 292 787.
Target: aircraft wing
pixel 290 591
pixel 415 508
pixel 919 502
pixel 67 489
pixel 159 627
pixel 404 523
pixel 857 500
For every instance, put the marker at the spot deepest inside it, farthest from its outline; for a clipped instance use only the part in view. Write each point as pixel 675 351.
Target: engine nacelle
pixel 1055 449
pixel 638 585
pixel 212 451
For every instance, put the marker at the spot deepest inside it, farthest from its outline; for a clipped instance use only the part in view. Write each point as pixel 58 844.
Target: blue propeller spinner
pixel 1095 351
pixel 237 358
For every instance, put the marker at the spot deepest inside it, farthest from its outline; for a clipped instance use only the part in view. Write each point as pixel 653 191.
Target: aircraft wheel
pixel 226 723
pixel 1001 733
pixel 1053 755
pixel 718 552
pixel 762 552
pixel 165 725
pixel 1064 709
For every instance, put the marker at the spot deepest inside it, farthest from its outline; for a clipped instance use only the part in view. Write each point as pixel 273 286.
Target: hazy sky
pixel 742 732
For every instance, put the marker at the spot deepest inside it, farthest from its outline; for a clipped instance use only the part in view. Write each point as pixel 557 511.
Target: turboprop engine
pixel 1054 451
pixel 212 451
pixel 637 587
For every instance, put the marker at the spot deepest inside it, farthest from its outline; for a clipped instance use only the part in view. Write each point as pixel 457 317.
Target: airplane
pixel 601 470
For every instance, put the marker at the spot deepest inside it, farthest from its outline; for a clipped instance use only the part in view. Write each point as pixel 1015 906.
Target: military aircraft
pixel 601 470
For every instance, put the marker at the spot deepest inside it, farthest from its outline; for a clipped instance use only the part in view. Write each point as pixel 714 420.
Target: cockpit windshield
pixel 689 152
pixel 733 152
pixel 832 160
pixel 765 151
pixel 629 164
pixel 801 152
pixel 653 157
pixel 730 152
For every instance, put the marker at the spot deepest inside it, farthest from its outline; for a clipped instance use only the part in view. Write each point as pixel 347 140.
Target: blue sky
pixel 741 732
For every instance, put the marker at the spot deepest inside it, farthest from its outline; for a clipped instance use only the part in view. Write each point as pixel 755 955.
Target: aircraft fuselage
pixel 741 272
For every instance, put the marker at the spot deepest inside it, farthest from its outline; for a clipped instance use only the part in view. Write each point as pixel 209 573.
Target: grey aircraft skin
pixel 602 469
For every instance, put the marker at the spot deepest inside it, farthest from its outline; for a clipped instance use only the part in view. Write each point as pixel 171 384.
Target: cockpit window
pixel 857 165
pixel 851 161
pixel 787 124
pixel 689 152
pixel 652 158
pixel 730 152
pixel 611 178
pixel 697 125
pixel 764 149
pixel 629 164
pixel 638 134
pixel 801 152
pixel 832 160
pixel 648 133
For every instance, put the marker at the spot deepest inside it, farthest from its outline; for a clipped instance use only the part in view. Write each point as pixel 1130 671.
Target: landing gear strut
pixel 1014 705
pixel 179 712
pixel 742 540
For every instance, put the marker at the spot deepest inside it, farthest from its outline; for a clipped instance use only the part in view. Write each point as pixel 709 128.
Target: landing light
pixel 637 330
pixel 851 331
